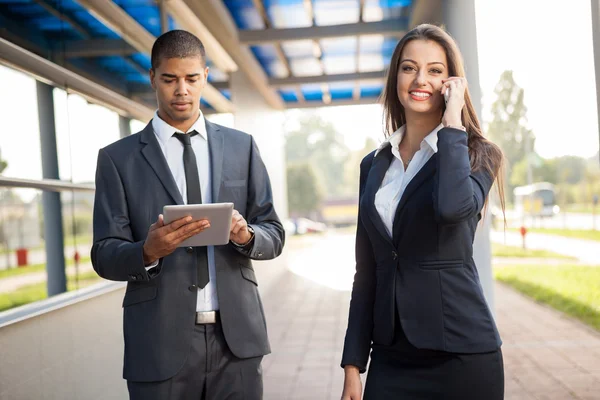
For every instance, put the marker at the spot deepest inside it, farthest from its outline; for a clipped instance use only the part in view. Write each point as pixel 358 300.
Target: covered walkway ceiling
pixel 296 53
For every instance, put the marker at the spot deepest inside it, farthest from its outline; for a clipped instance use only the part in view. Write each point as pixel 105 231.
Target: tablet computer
pixel 219 215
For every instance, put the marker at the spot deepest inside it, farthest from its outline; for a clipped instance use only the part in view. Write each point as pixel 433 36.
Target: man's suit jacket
pixel 133 183
pixel 425 272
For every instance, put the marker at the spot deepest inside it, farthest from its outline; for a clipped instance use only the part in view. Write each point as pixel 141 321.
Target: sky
pixel 551 57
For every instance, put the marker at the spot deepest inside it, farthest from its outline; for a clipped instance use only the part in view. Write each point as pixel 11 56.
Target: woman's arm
pixel 459 193
pixel 360 319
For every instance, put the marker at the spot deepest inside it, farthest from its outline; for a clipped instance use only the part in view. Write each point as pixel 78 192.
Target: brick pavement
pixel 546 355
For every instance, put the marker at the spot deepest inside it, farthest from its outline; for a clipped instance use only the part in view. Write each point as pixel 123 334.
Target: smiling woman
pixel 417 305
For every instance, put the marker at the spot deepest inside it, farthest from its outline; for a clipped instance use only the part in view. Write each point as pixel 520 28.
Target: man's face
pixel 178 83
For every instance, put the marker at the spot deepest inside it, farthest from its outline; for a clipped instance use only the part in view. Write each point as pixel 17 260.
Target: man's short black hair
pixel 177 44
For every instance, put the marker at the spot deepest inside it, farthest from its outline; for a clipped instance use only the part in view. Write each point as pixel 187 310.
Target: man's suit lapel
pixel 423 174
pixel 215 149
pixel 155 157
pixel 379 167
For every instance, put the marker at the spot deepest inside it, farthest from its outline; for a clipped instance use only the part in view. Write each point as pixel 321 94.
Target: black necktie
pixel 194 196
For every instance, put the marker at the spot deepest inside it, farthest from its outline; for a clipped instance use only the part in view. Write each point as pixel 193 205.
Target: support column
pixel 254 116
pixel 124 126
pixel 52 206
pixel 459 19
pixel 596 42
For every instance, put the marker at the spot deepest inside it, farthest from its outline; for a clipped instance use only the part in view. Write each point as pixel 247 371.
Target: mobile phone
pixel 447 95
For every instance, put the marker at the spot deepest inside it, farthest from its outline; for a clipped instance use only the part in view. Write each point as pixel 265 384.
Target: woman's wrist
pixel 351 369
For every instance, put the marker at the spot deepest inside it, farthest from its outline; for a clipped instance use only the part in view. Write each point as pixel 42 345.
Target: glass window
pixel 19 129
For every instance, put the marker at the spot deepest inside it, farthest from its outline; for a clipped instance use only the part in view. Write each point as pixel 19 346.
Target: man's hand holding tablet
pixel 163 238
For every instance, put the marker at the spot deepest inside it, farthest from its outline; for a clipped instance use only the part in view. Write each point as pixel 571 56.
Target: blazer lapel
pixel 215 149
pixel 423 174
pixel 155 157
pixel 379 167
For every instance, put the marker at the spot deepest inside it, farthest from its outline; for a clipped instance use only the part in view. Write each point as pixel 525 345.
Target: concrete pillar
pixel 254 116
pixel 124 126
pixel 459 19
pixel 596 40
pixel 51 203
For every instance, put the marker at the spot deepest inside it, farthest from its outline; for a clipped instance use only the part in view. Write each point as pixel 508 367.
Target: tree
pixel 508 126
pixel 304 191
pixel 3 164
pixel 353 165
pixel 542 170
pixel 318 143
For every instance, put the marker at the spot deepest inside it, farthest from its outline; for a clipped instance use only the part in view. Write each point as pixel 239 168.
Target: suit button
pixel 394 255
pixel 192 288
pixel 189 249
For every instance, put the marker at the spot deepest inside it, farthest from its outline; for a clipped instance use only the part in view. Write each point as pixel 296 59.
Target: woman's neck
pixel 417 128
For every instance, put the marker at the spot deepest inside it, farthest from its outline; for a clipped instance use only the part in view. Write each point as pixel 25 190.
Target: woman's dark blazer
pixel 425 271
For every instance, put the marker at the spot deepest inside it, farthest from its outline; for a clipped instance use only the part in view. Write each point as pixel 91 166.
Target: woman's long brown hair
pixel 482 152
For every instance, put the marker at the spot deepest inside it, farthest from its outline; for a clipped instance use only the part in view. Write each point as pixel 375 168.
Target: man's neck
pixel 182 126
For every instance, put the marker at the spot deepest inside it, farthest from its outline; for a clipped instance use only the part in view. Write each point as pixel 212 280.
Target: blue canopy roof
pixel 49 27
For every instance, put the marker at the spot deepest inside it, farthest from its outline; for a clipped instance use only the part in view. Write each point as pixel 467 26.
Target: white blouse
pixel 396 178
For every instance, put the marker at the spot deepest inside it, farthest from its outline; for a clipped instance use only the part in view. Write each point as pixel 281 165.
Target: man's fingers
pixel 237 227
pixel 158 224
pixel 178 223
pixel 191 229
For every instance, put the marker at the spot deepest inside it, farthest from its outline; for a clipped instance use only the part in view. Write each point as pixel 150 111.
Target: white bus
pixel 537 199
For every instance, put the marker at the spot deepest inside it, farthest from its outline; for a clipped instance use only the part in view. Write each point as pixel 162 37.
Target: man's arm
pixel 269 235
pixel 115 256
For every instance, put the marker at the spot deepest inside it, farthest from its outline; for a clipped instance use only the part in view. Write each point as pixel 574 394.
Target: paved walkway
pixel 547 355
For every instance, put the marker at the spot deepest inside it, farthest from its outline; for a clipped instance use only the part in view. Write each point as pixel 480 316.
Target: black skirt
pixel 401 371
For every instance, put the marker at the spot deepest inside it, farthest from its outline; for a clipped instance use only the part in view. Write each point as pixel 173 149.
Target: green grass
pixel 572 233
pixel 572 289
pixel 500 250
pixel 30 293
pixel 35 268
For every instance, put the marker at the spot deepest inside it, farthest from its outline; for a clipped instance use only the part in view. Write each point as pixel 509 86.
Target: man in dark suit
pixel 194 325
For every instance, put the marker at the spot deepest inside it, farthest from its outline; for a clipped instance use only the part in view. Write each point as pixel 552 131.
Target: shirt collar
pixel 164 131
pixel 395 138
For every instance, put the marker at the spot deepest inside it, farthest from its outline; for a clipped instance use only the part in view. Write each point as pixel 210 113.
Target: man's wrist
pixel 148 259
pixel 251 231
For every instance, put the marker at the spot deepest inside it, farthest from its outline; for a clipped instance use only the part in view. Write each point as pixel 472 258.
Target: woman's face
pixel 423 66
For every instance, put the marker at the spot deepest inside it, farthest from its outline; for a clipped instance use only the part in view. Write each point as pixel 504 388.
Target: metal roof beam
pixel 356 90
pixel 47 71
pixel 390 27
pixel 334 103
pixel 95 48
pixel 215 16
pixel 318 51
pixel 364 77
pixel 60 14
pixel 117 19
pixel 33 40
pixel 260 7
pixel 190 22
